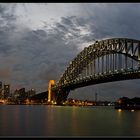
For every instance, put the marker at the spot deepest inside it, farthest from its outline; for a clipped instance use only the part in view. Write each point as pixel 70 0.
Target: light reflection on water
pixel 42 120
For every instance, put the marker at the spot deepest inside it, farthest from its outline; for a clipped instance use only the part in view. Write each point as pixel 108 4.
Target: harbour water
pixel 69 121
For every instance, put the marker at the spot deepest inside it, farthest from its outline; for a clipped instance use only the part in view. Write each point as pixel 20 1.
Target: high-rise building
pixel 0 85
pixel 22 94
pixel 1 94
pixel 22 91
pixel 6 91
pixel 31 92
pixel 16 94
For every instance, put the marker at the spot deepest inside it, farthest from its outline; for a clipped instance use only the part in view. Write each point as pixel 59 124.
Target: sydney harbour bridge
pixel 104 61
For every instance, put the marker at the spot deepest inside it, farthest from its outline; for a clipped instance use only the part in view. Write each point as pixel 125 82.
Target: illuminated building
pixel 31 92
pixel 22 93
pixel 16 94
pixel 6 91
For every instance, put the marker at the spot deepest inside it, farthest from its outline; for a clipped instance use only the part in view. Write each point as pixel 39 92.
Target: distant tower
pixel 95 97
pixel 6 91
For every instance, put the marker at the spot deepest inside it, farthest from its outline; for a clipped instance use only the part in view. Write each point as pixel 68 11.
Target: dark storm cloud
pixel 40 55
pixel 43 59
pixel 113 20
pixel 7 18
pixel 6 28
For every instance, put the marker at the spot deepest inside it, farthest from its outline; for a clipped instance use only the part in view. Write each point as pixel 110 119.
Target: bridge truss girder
pixel 128 47
pixel 104 51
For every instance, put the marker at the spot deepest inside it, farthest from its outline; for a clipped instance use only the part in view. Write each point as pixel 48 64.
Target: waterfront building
pixel 6 91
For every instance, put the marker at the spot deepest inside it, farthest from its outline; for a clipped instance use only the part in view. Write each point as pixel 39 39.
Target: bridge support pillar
pixel 50 93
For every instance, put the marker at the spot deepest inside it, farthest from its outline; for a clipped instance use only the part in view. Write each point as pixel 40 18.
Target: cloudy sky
pixel 38 40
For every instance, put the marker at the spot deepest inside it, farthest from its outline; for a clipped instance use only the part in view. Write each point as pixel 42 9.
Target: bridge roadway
pixel 101 78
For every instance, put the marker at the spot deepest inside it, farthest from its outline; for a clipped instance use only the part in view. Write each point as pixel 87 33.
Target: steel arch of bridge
pixel 128 47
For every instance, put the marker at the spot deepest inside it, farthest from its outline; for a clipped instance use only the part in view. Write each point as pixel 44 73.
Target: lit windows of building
pixel 6 91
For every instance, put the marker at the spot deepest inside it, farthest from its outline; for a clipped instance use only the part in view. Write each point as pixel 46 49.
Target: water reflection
pixel 49 120
pixel 74 121
pixel 16 118
pixel 126 122
pixel 44 120
pixel 136 123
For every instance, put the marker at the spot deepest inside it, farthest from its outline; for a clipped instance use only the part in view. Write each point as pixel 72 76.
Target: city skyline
pixel 39 40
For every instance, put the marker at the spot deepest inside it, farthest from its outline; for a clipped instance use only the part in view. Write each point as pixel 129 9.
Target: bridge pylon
pixel 50 92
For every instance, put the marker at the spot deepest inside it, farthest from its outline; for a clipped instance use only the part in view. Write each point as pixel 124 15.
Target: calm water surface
pixel 42 120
